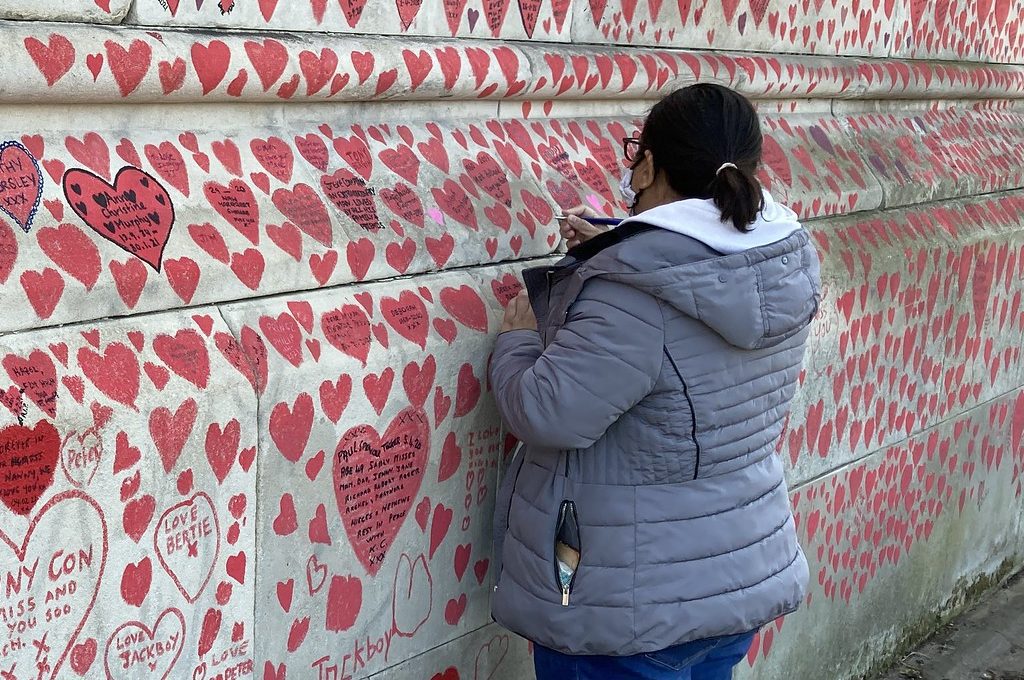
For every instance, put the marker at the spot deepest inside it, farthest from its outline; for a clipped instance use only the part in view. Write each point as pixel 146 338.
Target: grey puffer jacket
pixel 649 404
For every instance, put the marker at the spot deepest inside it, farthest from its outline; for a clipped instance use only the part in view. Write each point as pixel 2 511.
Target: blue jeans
pixel 711 659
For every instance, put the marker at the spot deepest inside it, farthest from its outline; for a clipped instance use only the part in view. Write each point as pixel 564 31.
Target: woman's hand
pixel 519 314
pixel 576 230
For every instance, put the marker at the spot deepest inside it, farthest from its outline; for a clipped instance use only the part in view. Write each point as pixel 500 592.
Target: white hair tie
pixel 724 166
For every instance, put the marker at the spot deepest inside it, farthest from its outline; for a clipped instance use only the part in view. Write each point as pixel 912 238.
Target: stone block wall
pixel 253 256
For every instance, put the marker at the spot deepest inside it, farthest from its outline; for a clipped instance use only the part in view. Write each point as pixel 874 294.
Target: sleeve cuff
pixel 517 335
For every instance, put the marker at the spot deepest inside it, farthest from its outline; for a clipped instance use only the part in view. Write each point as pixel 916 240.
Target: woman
pixel 645 531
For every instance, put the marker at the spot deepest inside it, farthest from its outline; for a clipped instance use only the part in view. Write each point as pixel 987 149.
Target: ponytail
pixel 737 195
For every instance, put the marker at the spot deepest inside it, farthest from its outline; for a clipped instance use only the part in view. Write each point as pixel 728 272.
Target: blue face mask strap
pixel 626 187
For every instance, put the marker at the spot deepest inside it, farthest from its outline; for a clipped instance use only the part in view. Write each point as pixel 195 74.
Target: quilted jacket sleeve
pixel 604 359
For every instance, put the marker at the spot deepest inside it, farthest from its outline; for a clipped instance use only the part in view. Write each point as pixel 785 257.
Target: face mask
pixel 626 187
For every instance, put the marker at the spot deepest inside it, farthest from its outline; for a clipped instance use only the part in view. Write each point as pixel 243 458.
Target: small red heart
pixel 185 482
pixel 314 465
pixel 246 458
pixel 423 513
pixel 261 180
pixel 380 332
pixel 224 593
pixel 480 569
pixel 82 656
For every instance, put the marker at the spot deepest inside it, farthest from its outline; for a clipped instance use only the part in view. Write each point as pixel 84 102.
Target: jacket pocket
pixel 567 549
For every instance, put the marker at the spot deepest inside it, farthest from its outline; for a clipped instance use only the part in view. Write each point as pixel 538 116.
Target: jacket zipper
pixel 548 277
pixel 693 413
pixel 568 508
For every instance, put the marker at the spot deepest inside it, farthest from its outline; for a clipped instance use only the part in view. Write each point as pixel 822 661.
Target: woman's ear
pixel 643 172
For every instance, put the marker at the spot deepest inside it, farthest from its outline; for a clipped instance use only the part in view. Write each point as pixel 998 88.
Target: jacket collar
pixel 586 250
pixel 539 280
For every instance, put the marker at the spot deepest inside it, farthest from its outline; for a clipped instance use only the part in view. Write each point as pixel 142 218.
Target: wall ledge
pixel 65 63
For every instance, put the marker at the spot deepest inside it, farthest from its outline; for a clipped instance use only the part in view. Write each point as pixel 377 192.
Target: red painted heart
pixel 134 213
pixel 31 453
pixel 376 480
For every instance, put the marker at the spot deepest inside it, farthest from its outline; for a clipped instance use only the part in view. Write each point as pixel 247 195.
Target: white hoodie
pixel 700 219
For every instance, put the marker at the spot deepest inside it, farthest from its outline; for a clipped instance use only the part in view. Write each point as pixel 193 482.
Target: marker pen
pixel 599 221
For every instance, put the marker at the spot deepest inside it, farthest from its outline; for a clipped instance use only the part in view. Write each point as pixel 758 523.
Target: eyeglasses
pixel 631 148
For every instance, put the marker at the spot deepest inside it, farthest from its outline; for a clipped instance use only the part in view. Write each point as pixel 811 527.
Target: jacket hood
pixel 754 289
pixel 700 219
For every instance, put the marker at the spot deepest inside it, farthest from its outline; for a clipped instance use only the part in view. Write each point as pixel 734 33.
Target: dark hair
pixel 692 132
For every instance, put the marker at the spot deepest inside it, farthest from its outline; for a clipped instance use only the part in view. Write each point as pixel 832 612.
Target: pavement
pixel 985 643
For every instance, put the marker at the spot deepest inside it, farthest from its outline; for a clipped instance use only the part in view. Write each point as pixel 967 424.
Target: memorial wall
pixel 254 254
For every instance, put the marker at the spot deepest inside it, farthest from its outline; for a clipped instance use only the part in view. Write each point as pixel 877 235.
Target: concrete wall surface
pixel 253 257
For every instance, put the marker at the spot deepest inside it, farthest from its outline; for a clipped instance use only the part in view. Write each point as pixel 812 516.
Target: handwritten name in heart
pixel 51 580
pixel 21 184
pixel 135 650
pixel 376 479
pixel 28 459
pixel 134 213
pixel 187 542
pixel 81 455
pixel 353 197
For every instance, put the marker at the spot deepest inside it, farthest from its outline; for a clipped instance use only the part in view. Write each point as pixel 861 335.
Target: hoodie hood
pixel 754 289
pixel 701 220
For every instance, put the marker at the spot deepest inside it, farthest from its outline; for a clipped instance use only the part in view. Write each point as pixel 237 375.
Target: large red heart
pixel 529 10
pixel 185 353
pixel 376 479
pixel 775 157
pixel 236 204
pixel 37 377
pixel 135 213
pixel 465 305
pixel 353 10
pixel 21 184
pixel 115 373
pixel 404 202
pixel 351 195
pixel 303 207
pixel 408 315
pixel 490 177
pixel 28 458
pixel 348 329
pixel 454 201
pixel 53 58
